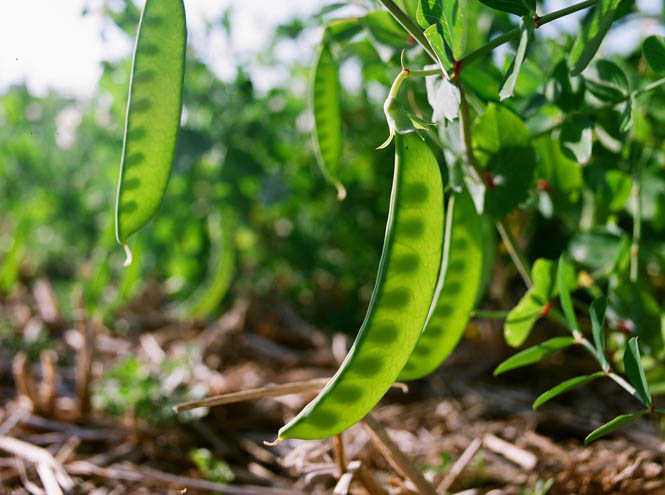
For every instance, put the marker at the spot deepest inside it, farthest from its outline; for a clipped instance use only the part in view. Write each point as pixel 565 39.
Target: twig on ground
pixel 255 393
pixel 397 459
pixel 338 445
pixel 23 377
pixel 521 457
pixel 303 387
pixel 48 387
pixel 51 469
pixel 459 465
pixel 84 357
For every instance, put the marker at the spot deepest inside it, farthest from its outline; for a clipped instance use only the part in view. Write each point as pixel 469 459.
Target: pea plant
pixel 559 142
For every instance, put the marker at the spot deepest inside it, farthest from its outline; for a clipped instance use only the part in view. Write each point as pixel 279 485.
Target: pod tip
pixel 341 191
pixel 274 442
pixel 128 254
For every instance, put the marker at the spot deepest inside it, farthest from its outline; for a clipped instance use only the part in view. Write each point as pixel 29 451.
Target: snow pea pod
pixel 404 287
pixel 459 281
pixel 153 114
pixel 325 101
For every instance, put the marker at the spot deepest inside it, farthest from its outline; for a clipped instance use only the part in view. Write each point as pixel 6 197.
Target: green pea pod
pixel 222 262
pixel 459 282
pixel 153 115
pixel 397 311
pixel 327 117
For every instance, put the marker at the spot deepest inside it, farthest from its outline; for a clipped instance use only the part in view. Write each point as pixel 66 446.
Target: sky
pixel 47 43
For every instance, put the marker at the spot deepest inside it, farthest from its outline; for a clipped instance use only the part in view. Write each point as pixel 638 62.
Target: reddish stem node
pixel 489 180
pixel 458 68
pixel 410 40
pixel 626 327
pixel 536 21
pixel 543 185
pixel 546 309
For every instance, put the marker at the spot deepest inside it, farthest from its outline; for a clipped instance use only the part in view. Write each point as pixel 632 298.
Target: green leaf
pixel 325 101
pixel 654 53
pixel 444 98
pixel 564 293
pixel 510 79
pixel 576 138
pixel 562 176
pixel 529 309
pixel 518 7
pixel 595 249
pixel 633 366
pixel 455 23
pixel 534 354
pixel 429 12
pixel 435 36
pixel 343 29
pixel 502 145
pixel 566 91
pixel 153 115
pixel 597 312
pixel 635 304
pixel 607 82
pixel 626 116
pixel 613 425
pixel 385 29
pixel 591 35
pixel 565 387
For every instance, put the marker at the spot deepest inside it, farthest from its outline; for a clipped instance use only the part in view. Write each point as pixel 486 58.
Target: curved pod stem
pixel 405 284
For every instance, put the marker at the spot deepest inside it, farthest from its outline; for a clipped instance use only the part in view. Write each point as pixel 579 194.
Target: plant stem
pixel 407 73
pixel 506 235
pixel 637 220
pixel 411 27
pixel 622 383
pixel 516 255
pixel 649 87
pixel 514 33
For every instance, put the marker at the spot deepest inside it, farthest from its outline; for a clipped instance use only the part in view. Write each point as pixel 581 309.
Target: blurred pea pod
pixel 153 115
pixel 325 101
pixel 397 311
pixel 459 282
pixel 222 262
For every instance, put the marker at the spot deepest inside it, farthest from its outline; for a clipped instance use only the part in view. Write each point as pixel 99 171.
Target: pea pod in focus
pixel 397 311
pixel 459 281
pixel 153 115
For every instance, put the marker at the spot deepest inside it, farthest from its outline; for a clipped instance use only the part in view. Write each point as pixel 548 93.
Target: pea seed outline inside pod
pixel 407 277
pixel 459 281
pixel 153 115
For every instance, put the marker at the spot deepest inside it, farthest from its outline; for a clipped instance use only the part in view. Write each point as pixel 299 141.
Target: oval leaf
pixel 633 366
pixel 565 387
pixel 517 7
pixel 592 34
pixel 564 293
pixel 534 354
pixel 524 315
pixel 510 79
pixel 654 53
pixel 615 424
pixel 576 138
